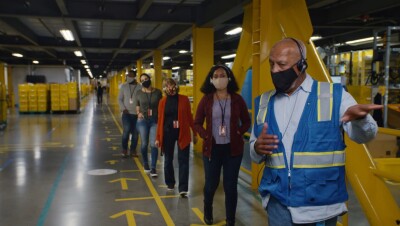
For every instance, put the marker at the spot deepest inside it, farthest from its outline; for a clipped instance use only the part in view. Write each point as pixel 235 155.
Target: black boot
pixel 208 215
pixel 230 222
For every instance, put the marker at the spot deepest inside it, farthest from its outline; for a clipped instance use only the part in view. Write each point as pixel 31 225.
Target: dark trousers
pixel 221 158
pixel 170 138
pixel 99 98
pixel 129 128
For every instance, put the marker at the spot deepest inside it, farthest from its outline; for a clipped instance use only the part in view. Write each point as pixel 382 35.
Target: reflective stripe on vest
pixel 263 106
pixel 308 160
pixel 325 101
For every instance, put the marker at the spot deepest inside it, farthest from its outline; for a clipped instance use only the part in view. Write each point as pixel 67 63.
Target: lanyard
pixel 149 99
pixel 131 91
pixel 222 109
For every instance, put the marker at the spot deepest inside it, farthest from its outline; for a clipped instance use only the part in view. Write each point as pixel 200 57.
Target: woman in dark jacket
pixel 227 119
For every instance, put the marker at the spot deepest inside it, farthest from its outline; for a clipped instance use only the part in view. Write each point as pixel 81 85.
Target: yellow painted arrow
pixel 130 216
pixel 108 132
pixel 113 148
pixel 123 182
pixel 200 215
pixel 112 162
pixel 107 139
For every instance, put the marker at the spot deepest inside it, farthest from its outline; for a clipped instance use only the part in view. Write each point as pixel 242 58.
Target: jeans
pixel 147 129
pixel 279 215
pixel 170 139
pixel 221 158
pixel 129 127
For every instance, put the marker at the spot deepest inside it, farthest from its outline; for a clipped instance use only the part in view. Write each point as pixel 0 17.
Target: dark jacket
pixel 239 123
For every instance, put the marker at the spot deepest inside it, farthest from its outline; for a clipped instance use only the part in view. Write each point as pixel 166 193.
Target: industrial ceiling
pixel 112 34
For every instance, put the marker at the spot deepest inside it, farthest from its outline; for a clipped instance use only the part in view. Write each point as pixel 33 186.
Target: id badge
pixel 222 131
pixel 176 124
pixel 149 112
pixel 130 101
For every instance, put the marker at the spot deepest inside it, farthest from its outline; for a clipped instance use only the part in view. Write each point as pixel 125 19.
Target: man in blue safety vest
pixel 298 134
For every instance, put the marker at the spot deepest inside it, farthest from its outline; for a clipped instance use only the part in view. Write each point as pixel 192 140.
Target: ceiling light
pixel 86 66
pixel 191 64
pixel 35 62
pixel 166 58
pixel 78 53
pixel 83 61
pixel 101 76
pixel 67 35
pixel 17 55
pixel 315 37
pixel 175 68
pixel 229 56
pixel 361 41
pixel 183 51
pixel 151 64
pixel 234 31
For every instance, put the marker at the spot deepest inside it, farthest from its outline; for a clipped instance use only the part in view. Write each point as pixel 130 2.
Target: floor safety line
pixel 149 184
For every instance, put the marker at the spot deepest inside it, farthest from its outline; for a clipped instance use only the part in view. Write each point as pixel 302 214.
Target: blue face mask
pixel 283 80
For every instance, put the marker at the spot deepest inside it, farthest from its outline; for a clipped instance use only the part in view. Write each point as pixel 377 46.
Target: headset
pixel 302 63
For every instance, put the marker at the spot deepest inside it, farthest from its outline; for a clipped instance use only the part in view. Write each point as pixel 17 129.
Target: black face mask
pixel 146 84
pixel 284 79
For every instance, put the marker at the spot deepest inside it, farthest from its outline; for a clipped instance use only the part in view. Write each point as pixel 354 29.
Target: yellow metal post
pixel 243 59
pixel 203 60
pixel 10 87
pixel 139 68
pixel 157 61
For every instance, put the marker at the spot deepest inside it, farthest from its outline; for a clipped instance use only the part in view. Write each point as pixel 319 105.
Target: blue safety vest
pixel 316 175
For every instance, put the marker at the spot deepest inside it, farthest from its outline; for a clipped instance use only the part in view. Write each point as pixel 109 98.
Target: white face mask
pixel 129 79
pixel 220 83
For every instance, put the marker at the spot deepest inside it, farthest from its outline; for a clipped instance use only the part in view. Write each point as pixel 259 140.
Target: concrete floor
pixel 45 160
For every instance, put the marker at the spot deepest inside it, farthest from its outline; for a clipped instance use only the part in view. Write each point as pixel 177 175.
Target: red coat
pixel 239 123
pixel 185 119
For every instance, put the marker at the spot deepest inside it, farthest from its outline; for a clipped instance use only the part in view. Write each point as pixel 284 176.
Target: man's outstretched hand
pixel 359 111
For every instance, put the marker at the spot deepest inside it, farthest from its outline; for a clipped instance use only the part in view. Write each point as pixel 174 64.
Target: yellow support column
pixel 157 61
pixel 2 78
pixel 203 60
pixel 139 69
pixel 11 101
pixel 243 59
pixel 256 49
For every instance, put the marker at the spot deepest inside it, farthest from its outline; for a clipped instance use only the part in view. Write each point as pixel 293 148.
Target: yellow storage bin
pixel 54 87
pixel 55 107
pixel 23 87
pixel 23 108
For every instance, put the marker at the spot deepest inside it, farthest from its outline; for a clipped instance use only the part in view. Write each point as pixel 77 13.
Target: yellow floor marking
pixel 128 171
pixel 123 181
pixel 146 198
pixel 245 170
pixel 130 216
pixel 150 185
pixel 111 162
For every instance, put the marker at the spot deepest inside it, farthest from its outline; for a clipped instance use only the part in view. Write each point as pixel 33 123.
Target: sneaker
pixel 146 169
pixel 153 173
pixel 183 194
pixel 124 154
pixel 170 187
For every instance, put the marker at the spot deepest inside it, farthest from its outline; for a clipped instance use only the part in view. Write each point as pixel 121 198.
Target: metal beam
pixel 217 12
pixel 350 9
pixel 143 8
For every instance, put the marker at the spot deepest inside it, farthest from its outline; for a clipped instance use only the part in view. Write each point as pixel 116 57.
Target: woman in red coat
pixel 227 119
pixel 174 122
